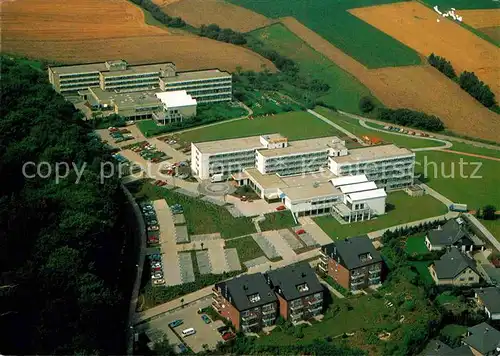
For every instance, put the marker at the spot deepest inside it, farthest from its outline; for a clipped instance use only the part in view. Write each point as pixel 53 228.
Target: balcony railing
pixel 296 306
pixel 322 266
pixel 249 317
pixel 357 276
pixel 315 310
pixel 373 271
pixel 249 326
pixel 268 311
pixel 314 301
pixel 354 284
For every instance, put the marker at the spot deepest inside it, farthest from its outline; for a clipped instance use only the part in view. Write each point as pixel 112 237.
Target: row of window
pixel 194 81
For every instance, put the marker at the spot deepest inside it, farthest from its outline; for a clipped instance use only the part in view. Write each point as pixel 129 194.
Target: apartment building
pixel 247 301
pixel 388 166
pixel 353 263
pixel 206 86
pixel 300 294
pixel 110 75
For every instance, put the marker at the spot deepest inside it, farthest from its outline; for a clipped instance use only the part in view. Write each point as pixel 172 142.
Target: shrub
pixel 366 104
pixel 443 65
pixel 477 89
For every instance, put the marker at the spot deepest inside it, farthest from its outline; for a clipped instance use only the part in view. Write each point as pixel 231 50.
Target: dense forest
pixel 62 244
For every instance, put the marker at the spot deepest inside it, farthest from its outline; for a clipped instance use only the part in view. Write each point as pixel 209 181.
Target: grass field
pixel 403 209
pixel 201 217
pixel 354 127
pixel 493 226
pixel 441 171
pixel 332 21
pixel 277 221
pixel 294 125
pixel 247 248
pixel 462 4
pixel 345 90
pixel 464 147
pixel 416 245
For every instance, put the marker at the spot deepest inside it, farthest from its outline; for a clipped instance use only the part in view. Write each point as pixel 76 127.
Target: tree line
pixel 410 118
pixel 468 81
pixel 60 243
pixel 227 35
pixel 159 15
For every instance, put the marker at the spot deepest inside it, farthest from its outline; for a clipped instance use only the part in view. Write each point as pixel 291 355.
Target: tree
pixel 489 212
pixel 366 104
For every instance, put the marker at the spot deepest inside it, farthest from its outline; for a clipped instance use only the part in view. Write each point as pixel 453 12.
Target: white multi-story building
pixel 177 105
pixel 389 166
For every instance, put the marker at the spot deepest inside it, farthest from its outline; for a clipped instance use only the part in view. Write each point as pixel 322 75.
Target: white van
pixel 218 177
pixel 188 332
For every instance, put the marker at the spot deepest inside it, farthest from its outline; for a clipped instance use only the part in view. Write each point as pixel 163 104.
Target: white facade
pixel 389 166
pixel 177 105
pixel 316 200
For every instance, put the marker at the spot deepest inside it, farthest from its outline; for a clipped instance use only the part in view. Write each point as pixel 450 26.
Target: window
pixel 471 278
pixel 302 287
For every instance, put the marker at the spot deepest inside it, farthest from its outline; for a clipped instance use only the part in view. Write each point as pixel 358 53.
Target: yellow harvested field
pixel 491 32
pixel 481 18
pixel 164 2
pixel 226 15
pixel 78 31
pixel 421 88
pixel 416 25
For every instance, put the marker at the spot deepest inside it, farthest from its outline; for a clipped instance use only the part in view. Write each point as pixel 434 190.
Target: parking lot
pixel 205 333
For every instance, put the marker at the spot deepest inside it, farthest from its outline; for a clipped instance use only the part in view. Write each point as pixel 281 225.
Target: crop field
pixel 77 31
pixel 441 171
pixel 294 125
pixel 345 90
pixel 226 15
pixel 416 26
pixel 463 4
pixel 331 20
pixel 420 88
pixel 486 21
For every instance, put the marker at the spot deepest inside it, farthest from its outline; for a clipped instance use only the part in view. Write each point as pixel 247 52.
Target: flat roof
pixel 372 153
pixel 346 180
pixel 229 145
pixel 178 98
pixel 195 75
pixel 370 194
pixel 311 191
pixel 266 181
pixel 307 178
pixel 301 146
pixel 358 187
pixel 146 68
pixel 101 67
pixel 80 68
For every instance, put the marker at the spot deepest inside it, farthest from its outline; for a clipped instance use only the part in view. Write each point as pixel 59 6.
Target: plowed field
pixel 481 18
pixel 416 26
pixel 204 12
pixel 420 88
pixel 77 31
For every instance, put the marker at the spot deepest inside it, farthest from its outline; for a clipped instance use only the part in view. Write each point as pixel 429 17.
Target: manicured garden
pixel 247 248
pixel 294 125
pixel 201 217
pixel 416 245
pixel 401 209
pixel 331 20
pixel 345 90
pixel 442 172
pixel 277 221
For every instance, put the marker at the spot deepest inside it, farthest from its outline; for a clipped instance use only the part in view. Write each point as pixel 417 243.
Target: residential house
pixel 438 348
pixel 299 292
pixel 483 339
pixel 453 233
pixel 247 301
pixel 489 299
pixel 455 268
pixel 353 263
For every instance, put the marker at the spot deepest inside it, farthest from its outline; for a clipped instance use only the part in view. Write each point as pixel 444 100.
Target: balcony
pixel 315 310
pixel 296 316
pixel 322 266
pixel 298 306
pixel 314 301
pixel 248 317
pixel 357 276
pixel 357 283
pixel 268 311
pixel 375 270
pixel 374 280
pixel 246 327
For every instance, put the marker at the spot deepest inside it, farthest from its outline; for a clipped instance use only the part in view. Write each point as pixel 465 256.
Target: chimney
pixel 303 275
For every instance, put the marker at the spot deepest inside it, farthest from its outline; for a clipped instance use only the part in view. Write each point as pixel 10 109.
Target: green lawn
pixel 446 297
pixel 247 248
pixel 423 270
pixel 441 171
pixel 405 209
pixel 277 221
pixel 493 226
pixel 354 127
pixel 331 20
pixel 294 125
pixel 201 217
pixel 445 5
pixel 464 147
pixel 149 127
pixel 416 245
pixel 267 102
pixel 345 90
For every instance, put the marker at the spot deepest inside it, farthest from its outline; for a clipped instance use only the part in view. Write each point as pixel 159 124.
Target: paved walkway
pixel 473 155
pixel 337 127
pixel 445 144
pixel 315 231
pixel 280 244
pixel 171 268
pixel 436 195
pixel 484 231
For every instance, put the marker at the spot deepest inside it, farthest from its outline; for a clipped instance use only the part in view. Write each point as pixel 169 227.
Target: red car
pixel 300 231
pixel 162 183
pixel 228 336
pixel 280 208
pixel 156 269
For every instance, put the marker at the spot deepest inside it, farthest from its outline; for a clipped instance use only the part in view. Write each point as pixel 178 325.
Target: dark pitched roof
pixel 295 281
pixel 493 274
pixel 490 297
pixel 449 234
pixel 436 348
pixel 483 337
pixel 453 263
pixel 239 290
pixel 350 252
pixel 463 350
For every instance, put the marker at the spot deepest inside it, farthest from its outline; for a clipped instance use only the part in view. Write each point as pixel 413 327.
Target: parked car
pixel 155 257
pixel 158 282
pixel 157 275
pixel 182 348
pixel 244 198
pixel 280 208
pixel 228 336
pixel 300 231
pixel 152 222
pixel 206 319
pixel 223 329
pixel 176 323
pixel 153 228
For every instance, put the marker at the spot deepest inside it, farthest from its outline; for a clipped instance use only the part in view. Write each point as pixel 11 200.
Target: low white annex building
pixel 176 105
